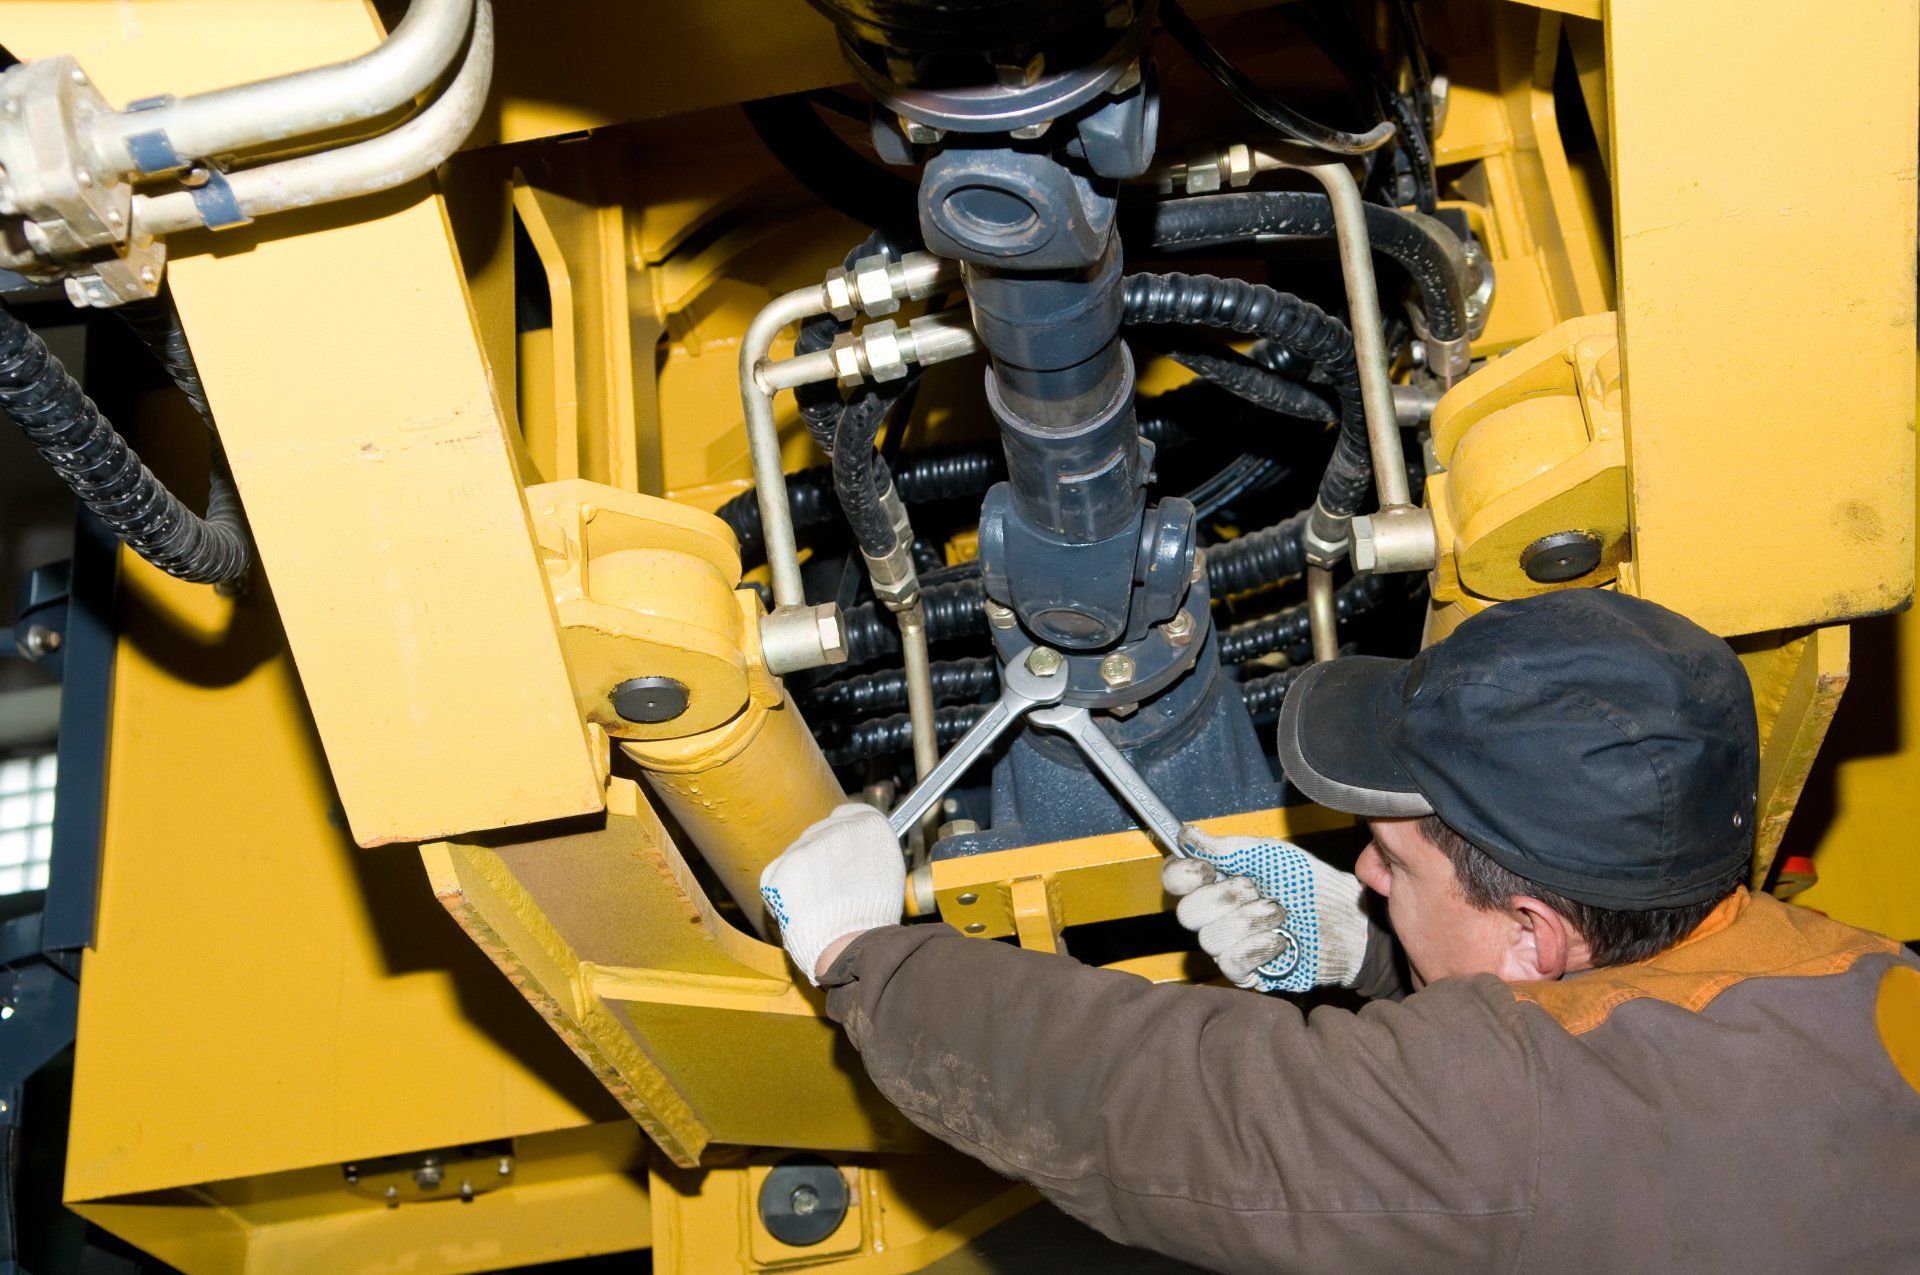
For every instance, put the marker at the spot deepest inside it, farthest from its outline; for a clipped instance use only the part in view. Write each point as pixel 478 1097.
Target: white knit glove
pixel 845 874
pixel 1236 891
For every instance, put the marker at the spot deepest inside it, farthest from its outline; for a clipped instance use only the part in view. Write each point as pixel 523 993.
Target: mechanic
pixel 1617 1056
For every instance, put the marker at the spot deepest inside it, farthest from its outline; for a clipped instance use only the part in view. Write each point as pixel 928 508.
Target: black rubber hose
pixel 921 478
pixel 1234 305
pixel 90 456
pixel 1262 695
pixel 820 401
pixel 962 681
pixel 836 174
pixel 1257 559
pixel 1290 627
pixel 156 321
pixel 1263 387
pixel 881 736
pixel 860 476
pixel 953 610
pixel 1422 246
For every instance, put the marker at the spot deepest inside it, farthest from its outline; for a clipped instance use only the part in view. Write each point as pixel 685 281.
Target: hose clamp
pixel 214 197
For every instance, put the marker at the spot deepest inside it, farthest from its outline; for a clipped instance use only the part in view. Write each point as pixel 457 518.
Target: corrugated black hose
pixel 1253 309
pixel 960 681
pixel 1422 246
pixel 953 610
pixel 1291 627
pixel 1265 388
pixel 879 736
pixel 1257 559
pixel 94 460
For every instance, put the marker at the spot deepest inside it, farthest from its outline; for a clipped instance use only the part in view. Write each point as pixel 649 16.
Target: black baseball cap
pixel 1597 744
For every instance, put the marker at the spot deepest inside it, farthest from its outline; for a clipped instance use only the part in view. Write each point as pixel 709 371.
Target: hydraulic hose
pixel 1292 626
pixel 1258 558
pixel 156 321
pixel 921 478
pixel 1262 695
pixel 1253 309
pixel 958 681
pixel 91 458
pixel 1422 246
pixel 953 610
pixel 1249 381
pixel 881 736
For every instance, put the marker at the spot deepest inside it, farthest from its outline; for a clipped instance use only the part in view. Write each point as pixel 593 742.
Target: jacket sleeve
pixel 1211 1124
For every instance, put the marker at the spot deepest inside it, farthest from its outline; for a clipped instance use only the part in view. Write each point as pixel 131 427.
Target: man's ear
pixel 1543 944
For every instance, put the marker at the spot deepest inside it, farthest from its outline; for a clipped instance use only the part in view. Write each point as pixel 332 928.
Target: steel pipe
pixel 392 159
pixel 391 75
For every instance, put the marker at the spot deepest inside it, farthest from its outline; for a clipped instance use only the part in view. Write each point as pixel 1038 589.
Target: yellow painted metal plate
pixel 345 371
pixel 1767 304
pixel 263 995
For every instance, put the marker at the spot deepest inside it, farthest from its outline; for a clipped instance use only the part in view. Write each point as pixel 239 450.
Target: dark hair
pixel 1615 937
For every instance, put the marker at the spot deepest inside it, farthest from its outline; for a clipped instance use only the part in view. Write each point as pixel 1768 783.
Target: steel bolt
pixel 1044 661
pixel 39 641
pixel 1179 629
pixel 803 1201
pixel 1000 617
pixel 1128 81
pixel 1117 669
pixel 1028 132
pixel 428 1176
pixel 1199 571
pixel 505 1166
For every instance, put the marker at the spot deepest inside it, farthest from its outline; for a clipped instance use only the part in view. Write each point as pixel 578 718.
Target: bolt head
pixel 1044 661
pixel 919 134
pixel 976 927
pixel 833 635
pixel 1179 629
pixel 804 1201
pixel 967 900
pixel 1028 132
pixel 998 616
pixel 39 641
pixel 1128 81
pixel 1117 669
pixel 1018 75
pixel 1360 531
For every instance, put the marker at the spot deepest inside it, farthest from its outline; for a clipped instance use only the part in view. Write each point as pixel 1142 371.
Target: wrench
pixel 1160 822
pixel 1021 691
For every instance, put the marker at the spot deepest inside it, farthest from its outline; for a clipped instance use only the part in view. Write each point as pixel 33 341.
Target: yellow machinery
pixel 415 952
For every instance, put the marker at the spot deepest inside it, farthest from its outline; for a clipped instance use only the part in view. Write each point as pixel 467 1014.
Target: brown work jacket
pixel 1745 1102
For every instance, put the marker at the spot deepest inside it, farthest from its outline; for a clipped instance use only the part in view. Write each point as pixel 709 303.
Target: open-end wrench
pixel 1032 681
pixel 1159 821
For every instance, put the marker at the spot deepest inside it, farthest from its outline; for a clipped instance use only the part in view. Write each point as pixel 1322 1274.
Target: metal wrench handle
pixel 1021 691
pixel 1154 815
pixel 1078 725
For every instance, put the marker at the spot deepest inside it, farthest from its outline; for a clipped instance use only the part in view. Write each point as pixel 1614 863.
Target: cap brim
pixel 1333 730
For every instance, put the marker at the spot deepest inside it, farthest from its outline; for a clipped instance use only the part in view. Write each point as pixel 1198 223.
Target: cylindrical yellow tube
pixel 742 792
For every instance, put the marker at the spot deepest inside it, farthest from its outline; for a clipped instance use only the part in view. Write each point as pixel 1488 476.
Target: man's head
pixel 1565 781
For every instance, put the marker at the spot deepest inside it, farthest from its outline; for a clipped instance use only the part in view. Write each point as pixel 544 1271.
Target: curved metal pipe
pixel 399 69
pixel 392 159
pixel 1320 613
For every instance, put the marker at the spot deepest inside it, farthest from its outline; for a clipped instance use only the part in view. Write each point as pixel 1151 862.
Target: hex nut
pixel 833 634
pixel 873 285
pixel 846 360
pixel 1117 669
pixel 1028 132
pixel 1179 629
pixel 837 291
pixel 998 616
pixel 886 357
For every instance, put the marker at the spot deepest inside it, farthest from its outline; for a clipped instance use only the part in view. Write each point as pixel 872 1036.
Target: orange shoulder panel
pixel 1748 936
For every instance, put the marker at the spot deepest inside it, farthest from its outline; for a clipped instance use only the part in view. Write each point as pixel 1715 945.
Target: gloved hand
pixel 845 874
pixel 1235 891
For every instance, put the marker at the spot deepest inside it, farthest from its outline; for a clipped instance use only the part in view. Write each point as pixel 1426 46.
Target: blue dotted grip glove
pixel 1244 897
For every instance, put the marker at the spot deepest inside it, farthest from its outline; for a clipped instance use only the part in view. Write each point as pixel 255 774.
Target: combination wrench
pixel 1032 687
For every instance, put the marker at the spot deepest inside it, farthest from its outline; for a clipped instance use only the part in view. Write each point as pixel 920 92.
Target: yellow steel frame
pixel 1671 320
